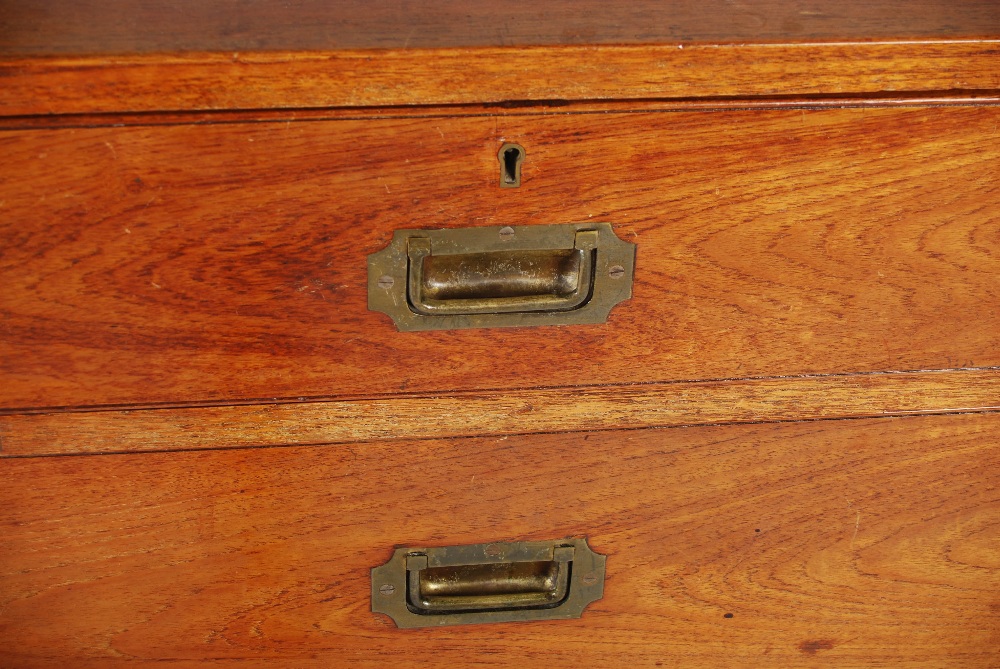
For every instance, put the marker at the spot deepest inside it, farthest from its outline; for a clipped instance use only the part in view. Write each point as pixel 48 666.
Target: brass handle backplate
pixel 501 276
pixel 499 582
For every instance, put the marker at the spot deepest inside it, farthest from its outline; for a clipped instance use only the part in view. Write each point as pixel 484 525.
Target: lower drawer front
pixel 227 261
pixel 856 542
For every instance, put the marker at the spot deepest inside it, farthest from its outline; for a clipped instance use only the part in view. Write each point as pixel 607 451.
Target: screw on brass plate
pixel 590 579
pixel 385 282
pixel 507 234
pixel 616 272
pixel 493 550
pixel 510 156
pixel 387 589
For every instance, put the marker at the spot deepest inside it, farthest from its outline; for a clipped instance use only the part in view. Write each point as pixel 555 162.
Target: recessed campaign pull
pixel 500 282
pixel 497 582
pixel 501 276
pixel 481 587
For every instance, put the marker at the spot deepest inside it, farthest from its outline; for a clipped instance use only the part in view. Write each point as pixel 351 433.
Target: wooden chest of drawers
pixel 785 441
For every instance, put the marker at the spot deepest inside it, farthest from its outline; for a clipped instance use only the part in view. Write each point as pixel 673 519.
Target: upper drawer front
pixel 228 261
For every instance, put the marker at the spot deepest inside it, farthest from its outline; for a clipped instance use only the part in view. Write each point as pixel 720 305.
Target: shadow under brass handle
pixel 500 281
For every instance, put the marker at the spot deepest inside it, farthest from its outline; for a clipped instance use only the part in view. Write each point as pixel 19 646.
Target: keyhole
pixel 511 156
pixel 510 160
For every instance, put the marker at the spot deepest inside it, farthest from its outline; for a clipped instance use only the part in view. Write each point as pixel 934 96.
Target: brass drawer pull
pixel 497 277
pixel 498 582
pixel 500 282
pixel 500 585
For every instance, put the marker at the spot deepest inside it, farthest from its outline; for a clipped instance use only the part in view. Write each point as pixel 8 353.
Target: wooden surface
pixel 146 26
pixel 363 78
pixel 227 262
pixel 513 412
pixel 831 543
pixel 505 109
pixel 188 194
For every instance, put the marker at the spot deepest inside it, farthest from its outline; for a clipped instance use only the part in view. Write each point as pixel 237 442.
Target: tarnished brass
pixel 501 276
pixel 500 282
pixel 483 583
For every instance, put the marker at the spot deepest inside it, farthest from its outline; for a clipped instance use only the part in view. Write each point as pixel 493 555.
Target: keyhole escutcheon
pixel 510 156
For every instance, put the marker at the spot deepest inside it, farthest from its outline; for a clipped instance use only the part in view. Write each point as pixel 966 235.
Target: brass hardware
pixel 501 281
pixel 510 156
pixel 501 277
pixel 484 583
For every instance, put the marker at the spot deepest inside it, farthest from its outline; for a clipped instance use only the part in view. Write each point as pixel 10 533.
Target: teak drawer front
pixel 226 261
pixel 855 543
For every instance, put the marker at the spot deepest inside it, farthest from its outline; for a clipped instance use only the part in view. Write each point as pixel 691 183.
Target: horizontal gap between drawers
pixel 473 393
pixel 78 121
pixel 584 432
pixel 502 413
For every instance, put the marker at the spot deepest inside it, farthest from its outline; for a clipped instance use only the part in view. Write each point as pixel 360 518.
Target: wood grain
pixel 148 26
pixel 362 78
pixel 850 543
pixel 505 109
pixel 228 262
pixel 408 416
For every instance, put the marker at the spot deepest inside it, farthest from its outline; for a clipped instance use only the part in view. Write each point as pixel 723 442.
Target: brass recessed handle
pixel 497 586
pixel 565 274
pixel 488 583
pixel 500 282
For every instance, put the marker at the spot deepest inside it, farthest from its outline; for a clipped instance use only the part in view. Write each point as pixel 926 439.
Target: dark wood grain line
pixel 580 432
pixel 501 413
pixel 461 393
pixel 528 108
